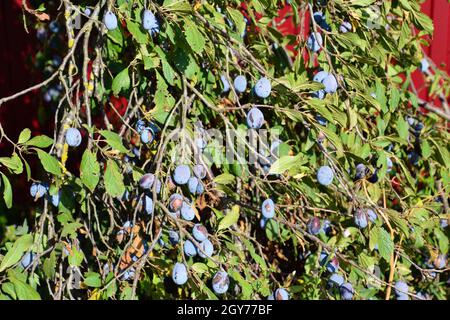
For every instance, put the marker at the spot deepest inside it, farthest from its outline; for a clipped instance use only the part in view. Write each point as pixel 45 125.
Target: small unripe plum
pixel 110 20
pixel 220 282
pixel 199 232
pixel 189 248
pixel 268 209
pixel 255 118
pixel 240 84
pixel 73 137
pixel 187 212
pixel 179 274
pixel 181 174
pixel 175 202
pixel 207 248
pixel 263 88
pixel 325 175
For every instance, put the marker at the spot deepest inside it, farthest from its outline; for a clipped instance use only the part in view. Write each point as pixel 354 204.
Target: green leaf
pixel 194 37
pixel 135 30
pixel 385 244
pixel 402 128
pixel 284 163
pixel 14 163
pixel 14 254
pixel 8 287
pixel 199 267
pixel 24 136
pixel 39 141
pixel 114 140
pixel 92 279
pixel 24 291
pixel 230 218
pixel 50 163
pixel 113 179
pixel 89 170
pixel 224 178
pixel 50 266
pixel 70 229
pixel 121 82
pixel 7 192
pixel 76 257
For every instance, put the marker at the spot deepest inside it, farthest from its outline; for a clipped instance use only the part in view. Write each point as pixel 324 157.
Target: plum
pixel 179 274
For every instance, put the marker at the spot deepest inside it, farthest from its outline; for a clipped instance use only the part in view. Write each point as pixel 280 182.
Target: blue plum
pixel 325 175
pixel 336 280
pixel 179 274
pixel 182 174
pixel 263 88
pixel 225 84
pixel 175 202
pixel 268 209
pixel 27 259
pixel 73 137
pixel 199 171
pixel 255 118
pixel 110 20
pixel 345 27
pixel 240 84
pixel 346 291
pixel 360 218
pixel 187 212
pixel 220 282
pixel 314 42
pixel 189 248
pixel 207 247
pixel 146 181
pixel 314 225
pixel 149 22
pixel 199 232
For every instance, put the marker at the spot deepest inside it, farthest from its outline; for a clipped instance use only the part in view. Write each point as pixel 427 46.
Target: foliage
pixel 107 80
